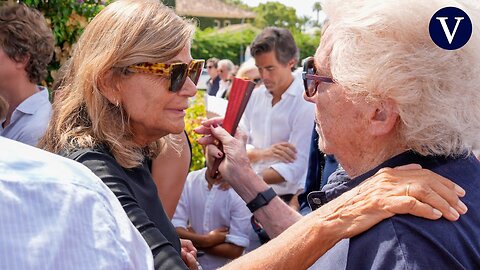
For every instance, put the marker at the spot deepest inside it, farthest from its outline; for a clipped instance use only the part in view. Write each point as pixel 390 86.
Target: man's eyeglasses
pixel 310 78
pixel 177 72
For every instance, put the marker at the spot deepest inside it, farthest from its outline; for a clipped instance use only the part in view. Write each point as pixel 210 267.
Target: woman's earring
pixel 116 104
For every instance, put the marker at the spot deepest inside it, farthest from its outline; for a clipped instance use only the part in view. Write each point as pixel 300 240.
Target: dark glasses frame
pixel 311 80
pixel 176 72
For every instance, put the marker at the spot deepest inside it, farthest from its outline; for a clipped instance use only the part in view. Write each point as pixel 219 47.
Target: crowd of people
pixel 362 159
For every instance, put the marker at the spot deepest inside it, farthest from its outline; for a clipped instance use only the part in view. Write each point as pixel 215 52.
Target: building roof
pixel 234 28
pixel 211 9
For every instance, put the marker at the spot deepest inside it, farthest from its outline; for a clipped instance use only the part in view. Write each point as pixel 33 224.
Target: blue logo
pixel 450 28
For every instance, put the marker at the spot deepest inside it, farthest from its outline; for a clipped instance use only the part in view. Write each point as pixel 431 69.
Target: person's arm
pixel 211 239
pixel 169 171
pixel 225 250
pixel 280 152
pixel 385 192
pixel 299 245
pixel 297 248
pixel 354 212
pixel 271 176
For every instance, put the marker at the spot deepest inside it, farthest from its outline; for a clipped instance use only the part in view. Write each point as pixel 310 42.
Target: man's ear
pixel 22 61
pixel 383 117
pixel 292 63
pixel 109 89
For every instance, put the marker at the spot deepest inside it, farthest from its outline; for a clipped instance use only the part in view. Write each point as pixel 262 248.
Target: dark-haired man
pixel 277 118
pixel 214 80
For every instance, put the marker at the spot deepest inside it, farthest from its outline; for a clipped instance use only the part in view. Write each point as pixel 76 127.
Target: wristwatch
pixel 263 198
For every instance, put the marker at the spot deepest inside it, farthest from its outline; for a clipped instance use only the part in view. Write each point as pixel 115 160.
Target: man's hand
pixel 189 254
pixel 279 152
pixel 283 152
pixel 216 236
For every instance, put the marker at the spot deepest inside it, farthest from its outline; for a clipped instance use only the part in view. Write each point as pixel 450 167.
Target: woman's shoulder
pixel 94 152
pixel 98 159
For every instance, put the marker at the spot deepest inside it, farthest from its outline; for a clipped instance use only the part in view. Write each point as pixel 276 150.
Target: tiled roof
pixel 211 8
pixel 237 28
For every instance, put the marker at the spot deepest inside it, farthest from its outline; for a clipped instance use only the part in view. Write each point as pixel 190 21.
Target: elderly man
pixel 385 96
pixel 225 68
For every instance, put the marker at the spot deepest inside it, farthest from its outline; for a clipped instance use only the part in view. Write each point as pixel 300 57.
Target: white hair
pixel 246 67
pixel 381 49
pixel 227 63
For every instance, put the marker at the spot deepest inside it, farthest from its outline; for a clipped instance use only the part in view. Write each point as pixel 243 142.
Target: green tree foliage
pixel 307 44
pixel 276 14
pixel 317 7
pixel 211 43
pixel 67 18
pixel 223 45
pixel 303 22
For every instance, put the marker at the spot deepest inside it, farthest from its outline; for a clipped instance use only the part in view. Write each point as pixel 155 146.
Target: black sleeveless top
pixel 137 193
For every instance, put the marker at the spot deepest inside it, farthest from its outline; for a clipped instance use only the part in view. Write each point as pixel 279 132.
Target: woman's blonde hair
pixel 124 33
pixel 382 49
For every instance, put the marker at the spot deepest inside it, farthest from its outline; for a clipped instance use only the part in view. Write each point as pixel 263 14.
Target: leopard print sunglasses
pixel 177 72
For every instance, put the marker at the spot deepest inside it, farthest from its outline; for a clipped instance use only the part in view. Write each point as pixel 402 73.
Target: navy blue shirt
pixel 316 162
pixel 409 242
pixel 212 86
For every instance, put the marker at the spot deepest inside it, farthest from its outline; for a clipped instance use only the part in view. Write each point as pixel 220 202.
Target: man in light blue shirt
pixel 56 214
pixel 26 48
pixel 29 119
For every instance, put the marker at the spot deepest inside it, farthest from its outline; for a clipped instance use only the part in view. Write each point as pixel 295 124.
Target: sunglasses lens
pixel 309 84
pixel 195 72
pixel 312 88
pixel 178 76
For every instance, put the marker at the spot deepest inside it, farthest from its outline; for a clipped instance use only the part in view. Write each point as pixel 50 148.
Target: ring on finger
pixel 407 190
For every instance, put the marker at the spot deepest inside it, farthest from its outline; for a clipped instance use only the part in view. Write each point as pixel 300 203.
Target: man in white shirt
pixel 56 214
pixel 218 218
pixel 277 119
pixel 26 48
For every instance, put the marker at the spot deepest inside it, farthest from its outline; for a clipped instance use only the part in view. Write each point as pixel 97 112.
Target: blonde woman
pixel 124 93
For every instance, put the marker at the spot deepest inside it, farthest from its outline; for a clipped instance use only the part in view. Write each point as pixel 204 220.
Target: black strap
pixel 263 198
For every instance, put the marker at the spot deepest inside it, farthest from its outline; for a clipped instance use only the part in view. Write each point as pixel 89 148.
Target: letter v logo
pixel 443 21
pixel 450 28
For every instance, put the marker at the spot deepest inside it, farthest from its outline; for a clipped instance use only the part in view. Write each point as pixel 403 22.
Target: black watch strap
pixel 263 198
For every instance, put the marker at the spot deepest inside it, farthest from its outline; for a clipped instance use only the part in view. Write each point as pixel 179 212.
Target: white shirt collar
pixel 293 89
